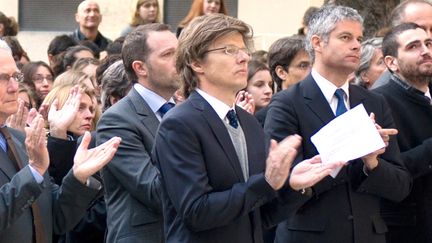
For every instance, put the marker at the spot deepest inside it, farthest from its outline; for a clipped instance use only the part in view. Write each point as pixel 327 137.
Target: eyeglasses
pixel 40 78
pixel 231 50
pixel 5 78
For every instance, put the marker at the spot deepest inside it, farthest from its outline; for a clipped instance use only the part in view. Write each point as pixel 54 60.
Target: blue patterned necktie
pixel 3 143
pixel 341 108
pixel 232 118
pixel 165 108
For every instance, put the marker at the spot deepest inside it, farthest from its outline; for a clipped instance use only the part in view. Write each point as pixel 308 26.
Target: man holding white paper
pixel 345 208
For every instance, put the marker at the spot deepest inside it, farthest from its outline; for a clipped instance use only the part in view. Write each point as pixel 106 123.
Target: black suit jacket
pixel 344 209
pixel 205 197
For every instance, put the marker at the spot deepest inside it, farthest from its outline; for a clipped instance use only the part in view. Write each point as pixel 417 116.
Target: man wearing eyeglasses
pixel 211 153
pixel 32 208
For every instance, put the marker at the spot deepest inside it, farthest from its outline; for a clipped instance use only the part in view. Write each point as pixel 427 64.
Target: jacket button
pixel 350 217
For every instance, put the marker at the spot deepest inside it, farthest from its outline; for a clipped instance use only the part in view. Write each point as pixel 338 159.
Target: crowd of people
pixel 194 137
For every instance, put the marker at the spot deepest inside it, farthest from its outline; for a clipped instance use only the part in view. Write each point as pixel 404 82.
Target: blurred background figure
pixel 371 63
pixel 8 26
pixel 40 78
pixel 288 61
pixel 202 7
pixel 305 21
pixel 56 50
pixel 73 54
pixel 20 56
pixel 260 87
pixel 115 84
pixel 146 12
pixel 259 84
pixel 261 56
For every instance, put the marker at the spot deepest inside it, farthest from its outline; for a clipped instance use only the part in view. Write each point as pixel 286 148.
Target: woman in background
pixel 39 77
pixel 146 12
pixel 371 63
pixel 202 7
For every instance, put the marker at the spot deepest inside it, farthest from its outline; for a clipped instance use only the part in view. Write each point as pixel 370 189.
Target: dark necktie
pixel 232 118
pixel 13 155
pixel 341 108
pixel 165 108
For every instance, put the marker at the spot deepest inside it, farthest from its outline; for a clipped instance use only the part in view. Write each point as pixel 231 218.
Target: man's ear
pixel 281 72
pixel 197 67
pixel 317 43
pixel 76 17
pixel 140 68
pixel 391 63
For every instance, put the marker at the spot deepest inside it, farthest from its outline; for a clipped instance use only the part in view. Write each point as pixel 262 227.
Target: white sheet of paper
pixel 349 136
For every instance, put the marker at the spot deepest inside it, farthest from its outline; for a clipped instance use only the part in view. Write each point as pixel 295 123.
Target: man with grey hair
pixel 114 84
pixel 214 170
pixel 345 208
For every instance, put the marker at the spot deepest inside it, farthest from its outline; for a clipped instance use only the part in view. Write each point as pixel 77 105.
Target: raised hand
pixel 245 101
pixel 371 160
pixel 60 119
pixel 19 119
pixel 279 160
pixel 89 161
pixel 308 172
pixel 36 145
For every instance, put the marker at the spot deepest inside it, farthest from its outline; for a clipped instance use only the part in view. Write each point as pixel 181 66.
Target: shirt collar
pixel 154 100
pixel 327 87
pixel 217 105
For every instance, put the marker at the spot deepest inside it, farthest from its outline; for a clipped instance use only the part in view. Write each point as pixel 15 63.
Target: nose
pixel 243 56
pixel 13 85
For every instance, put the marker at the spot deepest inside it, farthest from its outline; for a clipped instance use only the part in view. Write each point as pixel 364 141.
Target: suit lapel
pixel 148 118
pixel 316 101
pixel 219 130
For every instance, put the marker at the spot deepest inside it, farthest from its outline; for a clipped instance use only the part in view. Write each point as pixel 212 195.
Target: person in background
pixel 306 19
pixel 56 49
pixel 115 84
pixel 199 8
pixel 18 52
pixel 372 63
pixel 289 62
pixel 40 78
pixel 73 54
pixel 8 25
pixel 88 17
pixel 259 85
pixel 146 12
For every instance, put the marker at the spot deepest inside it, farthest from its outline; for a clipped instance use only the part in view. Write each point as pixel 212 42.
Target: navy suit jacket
pixel 346 208
pixel 205 197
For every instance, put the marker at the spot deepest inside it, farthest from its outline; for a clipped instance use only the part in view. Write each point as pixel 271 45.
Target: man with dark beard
pixel 407 54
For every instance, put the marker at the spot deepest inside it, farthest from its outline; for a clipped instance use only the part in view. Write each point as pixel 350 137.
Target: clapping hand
pixel 89 161
pixel 308 172
pixel 60 119
pixel 36 144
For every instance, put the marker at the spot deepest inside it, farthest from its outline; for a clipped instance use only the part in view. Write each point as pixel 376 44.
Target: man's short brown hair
pixel 196 38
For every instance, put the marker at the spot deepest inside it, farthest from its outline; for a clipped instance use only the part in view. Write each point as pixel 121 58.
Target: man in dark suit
pixel 407 54
pixel 211 153
pixel 134 209
pixel 346 208
pixel 32 207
